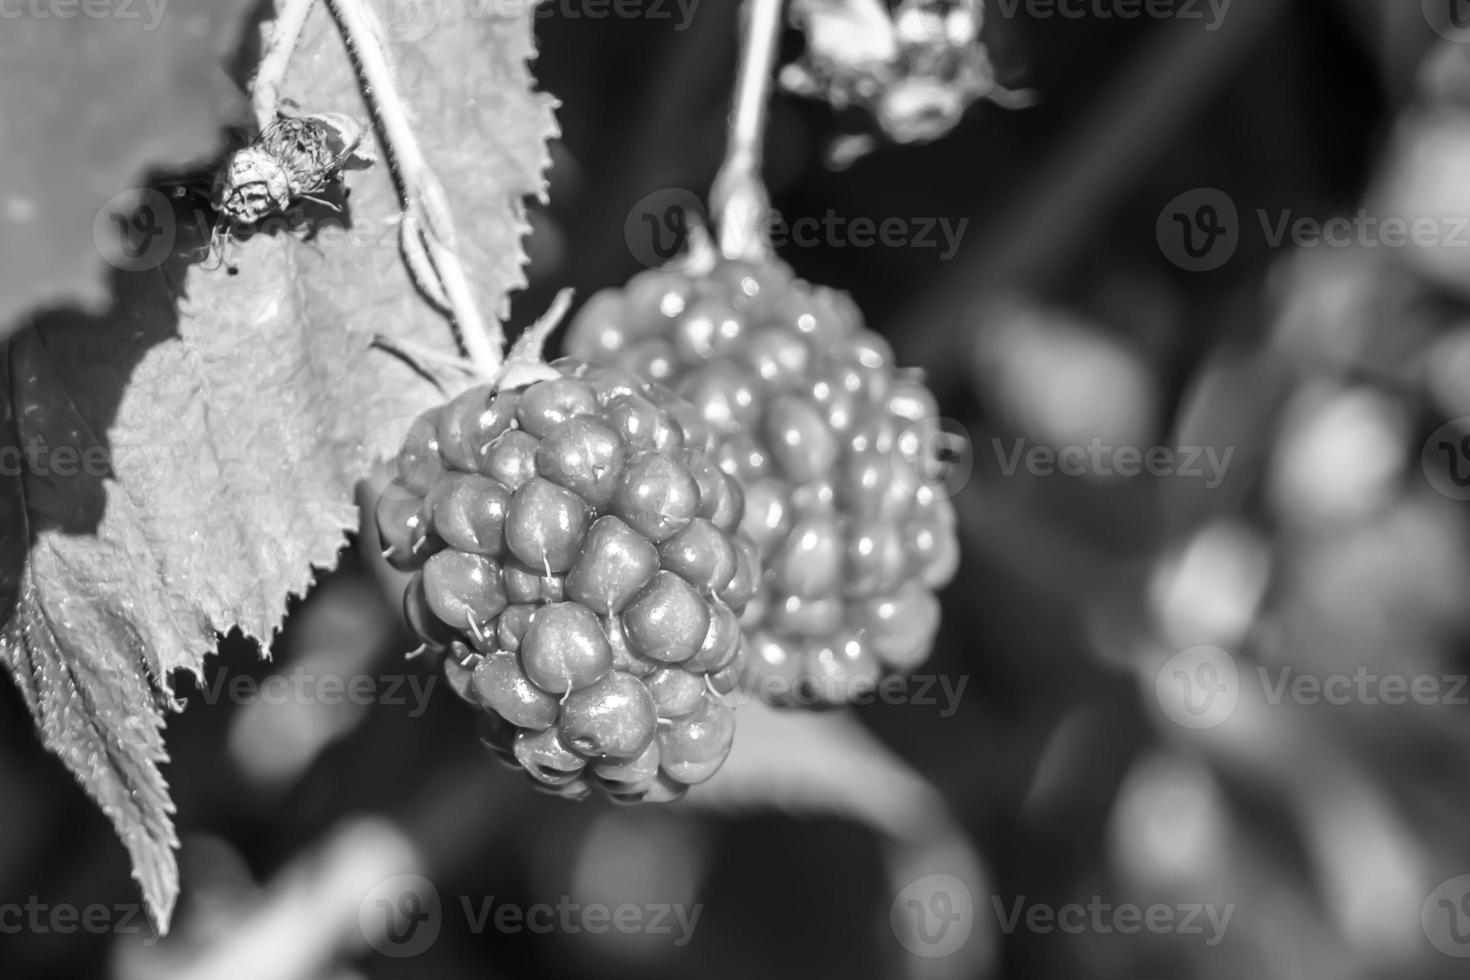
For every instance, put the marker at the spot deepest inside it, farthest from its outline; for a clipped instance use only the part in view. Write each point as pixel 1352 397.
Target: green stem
pixel 739 198
pixel 271 75
pixel 428 222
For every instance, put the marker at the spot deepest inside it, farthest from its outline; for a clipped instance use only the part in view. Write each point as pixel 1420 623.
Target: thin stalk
pixel 738 198
pixel 285 33
pixel 428 222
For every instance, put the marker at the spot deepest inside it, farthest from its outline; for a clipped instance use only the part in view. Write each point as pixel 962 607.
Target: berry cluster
pixel 834 448
pixel 575 550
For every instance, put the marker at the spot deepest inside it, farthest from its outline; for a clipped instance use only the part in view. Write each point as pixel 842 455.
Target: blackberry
pixel 831 448
pixel 575 551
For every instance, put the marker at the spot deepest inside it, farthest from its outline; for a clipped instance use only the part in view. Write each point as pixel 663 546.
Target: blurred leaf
pixel 820 763
pixel 829 764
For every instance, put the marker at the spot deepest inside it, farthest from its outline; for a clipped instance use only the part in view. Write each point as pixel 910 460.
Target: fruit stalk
pixel 428 225
pixel 739 197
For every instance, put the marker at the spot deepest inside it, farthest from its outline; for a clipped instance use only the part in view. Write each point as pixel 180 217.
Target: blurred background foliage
pixel 1060 320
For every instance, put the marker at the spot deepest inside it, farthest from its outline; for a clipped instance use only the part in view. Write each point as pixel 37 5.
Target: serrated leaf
pixel 88 104
pixel 238 404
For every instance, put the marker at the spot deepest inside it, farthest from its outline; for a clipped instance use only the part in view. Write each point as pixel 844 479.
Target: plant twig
pixel 285 33
pixel 428 225
pixel 739 199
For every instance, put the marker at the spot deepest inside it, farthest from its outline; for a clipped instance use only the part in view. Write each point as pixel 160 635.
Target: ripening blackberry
pixel 833 447
pixel 576 552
